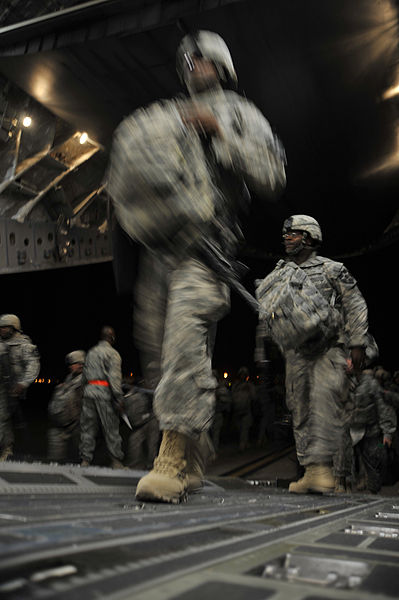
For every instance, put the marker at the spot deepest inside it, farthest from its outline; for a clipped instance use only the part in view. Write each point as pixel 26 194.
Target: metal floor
pixel 67 532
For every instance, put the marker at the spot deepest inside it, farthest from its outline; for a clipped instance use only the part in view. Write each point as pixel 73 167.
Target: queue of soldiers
pixel 93 395
pixel 244 410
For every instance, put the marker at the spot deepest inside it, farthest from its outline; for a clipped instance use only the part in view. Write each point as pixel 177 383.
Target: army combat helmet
pixel 10 321
pixel 77 356
pixel 209 45
pixel 304 223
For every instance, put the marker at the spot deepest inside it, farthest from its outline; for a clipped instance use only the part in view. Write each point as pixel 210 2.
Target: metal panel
pixel 37 246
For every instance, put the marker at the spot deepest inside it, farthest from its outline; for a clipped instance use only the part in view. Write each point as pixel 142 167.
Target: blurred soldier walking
pixel 20 367
pixel 313 309
pixel 102 400
pixel 177 178
pixel 64 411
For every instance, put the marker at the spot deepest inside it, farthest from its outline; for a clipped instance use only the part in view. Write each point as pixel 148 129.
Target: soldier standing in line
pixel 20 367
pixel 177 179
pixel 372 426
pixel 102 400
pixel 64 410
pixel 243 398
pixel 316 380
pixel 222 410
pixel 142 444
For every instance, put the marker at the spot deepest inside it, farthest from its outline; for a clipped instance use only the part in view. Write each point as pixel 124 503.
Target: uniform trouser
pixel 343 458
pixel 216 430
pixel 370 453
pixel 142 446
pixel 6 423
pixel 62 440
pixel 242 423
pixel 99 414
pixel 316 392
pixel 179 328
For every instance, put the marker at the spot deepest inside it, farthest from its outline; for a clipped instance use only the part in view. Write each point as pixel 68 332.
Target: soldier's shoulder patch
pixel 346 277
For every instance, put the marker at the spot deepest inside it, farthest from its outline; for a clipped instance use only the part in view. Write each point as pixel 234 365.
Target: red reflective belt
pixel 98 382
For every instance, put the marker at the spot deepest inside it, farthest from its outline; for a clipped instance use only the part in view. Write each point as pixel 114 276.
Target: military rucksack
pixel 293 311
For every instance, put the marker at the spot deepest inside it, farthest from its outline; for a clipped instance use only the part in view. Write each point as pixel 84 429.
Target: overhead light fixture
pixel 391 92
pixel 83 138
pixel 27 121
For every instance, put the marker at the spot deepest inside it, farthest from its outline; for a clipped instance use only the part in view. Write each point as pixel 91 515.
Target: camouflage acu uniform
pixel 21 365
pixel 6 435
pixel 372 419
pixel 179 296
pixel 222 412
pixel 64 412
pixel 102 365
pixel 316 382
pixel 243 394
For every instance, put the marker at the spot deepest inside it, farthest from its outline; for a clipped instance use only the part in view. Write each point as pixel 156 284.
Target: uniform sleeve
pixel 386 417
pixel 392 398
pixel 31 365
pixel 260 335
pixel 113 370
pixel 250 149
pixel 354 308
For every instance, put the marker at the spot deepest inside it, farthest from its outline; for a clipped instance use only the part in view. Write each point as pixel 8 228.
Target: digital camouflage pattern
pixel 171 190
pixel 103 362
pixel 20 365
pixel 316 382
pixel 292 308
pixel 372 420
pixel 184 398
pixel 243 396
pixel 160 180
pixel 23 359
pixel 370 411
pixel 64 415
pixel 143 441
pixel 6 432
pixel 222 412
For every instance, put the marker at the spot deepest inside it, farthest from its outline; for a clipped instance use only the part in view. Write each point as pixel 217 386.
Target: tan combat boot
pixel 167 481
pixel 198 454
pixel 317 478
pixel 340 485
pixel 6 453
pixel 116 464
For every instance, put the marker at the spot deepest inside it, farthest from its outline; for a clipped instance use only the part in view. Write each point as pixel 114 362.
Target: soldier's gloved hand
pixel 387 441
pixel 17 390
pixel 203 121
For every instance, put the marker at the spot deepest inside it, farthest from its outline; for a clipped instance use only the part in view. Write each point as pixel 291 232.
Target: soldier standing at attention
pixel 316 380
pixel 177 178
pixel 20 367
pixel 64 410
pixel 102 400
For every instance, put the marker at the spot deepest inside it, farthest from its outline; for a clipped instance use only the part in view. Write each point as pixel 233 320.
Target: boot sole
pixel 150 497
pixel 314 490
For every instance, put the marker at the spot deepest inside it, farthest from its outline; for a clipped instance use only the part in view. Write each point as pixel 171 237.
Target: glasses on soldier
pixel 292 233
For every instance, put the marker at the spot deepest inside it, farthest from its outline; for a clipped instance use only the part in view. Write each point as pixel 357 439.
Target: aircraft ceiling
pixel 317 70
